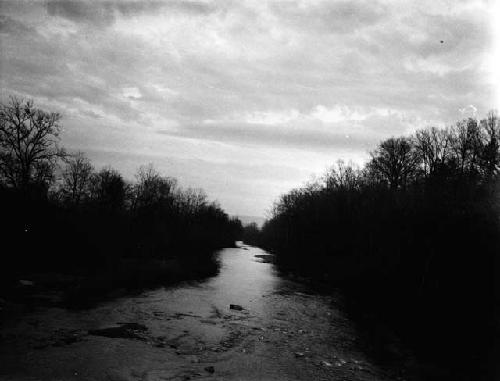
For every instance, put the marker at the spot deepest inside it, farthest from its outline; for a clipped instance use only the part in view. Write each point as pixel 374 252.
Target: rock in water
pixel 235 307
pixel 210 369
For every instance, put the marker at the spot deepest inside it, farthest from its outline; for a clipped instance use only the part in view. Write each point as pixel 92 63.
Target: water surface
pixel 189 332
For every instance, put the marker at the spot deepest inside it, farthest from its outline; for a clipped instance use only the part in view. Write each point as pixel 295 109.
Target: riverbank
pixel 458 345
pixel 82 290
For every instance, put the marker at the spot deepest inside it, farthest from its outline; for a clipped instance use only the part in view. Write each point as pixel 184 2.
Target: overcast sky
pixel 246 99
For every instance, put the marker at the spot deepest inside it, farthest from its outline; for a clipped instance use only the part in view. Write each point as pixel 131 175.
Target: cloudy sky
pixel 246 99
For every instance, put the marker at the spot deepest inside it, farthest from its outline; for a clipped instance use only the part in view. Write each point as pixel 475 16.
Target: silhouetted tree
pixel 108 232
pixel 152 189
pixel 108 190
pixel 343 176
pixel 394 161
pixel 413 236
pixel 433 148
pixel 76 179
pixel 29 148
pixel 466 144
pixel 191 200
pixel 251 234
pixel 491 151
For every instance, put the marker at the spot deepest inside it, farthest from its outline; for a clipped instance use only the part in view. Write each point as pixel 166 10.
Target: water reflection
pixel 281 333
pixel 243 280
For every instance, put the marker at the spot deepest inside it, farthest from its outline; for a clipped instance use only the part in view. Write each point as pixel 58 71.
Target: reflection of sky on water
pixel 242 280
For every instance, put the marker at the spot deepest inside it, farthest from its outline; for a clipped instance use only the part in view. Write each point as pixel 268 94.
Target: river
pixel 189 332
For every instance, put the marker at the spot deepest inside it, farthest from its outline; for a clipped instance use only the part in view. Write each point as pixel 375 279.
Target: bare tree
pixel 76 178
pixel 108 189
pixel 193 200
pixel 466 143
pixel 432 146
pixel 491 138
pixel 394 161
pixel 29 148
pixel 151 188
pixel 342 176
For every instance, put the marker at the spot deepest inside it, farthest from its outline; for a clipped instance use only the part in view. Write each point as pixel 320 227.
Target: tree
pixel 152 189
pixel 394 161
pixel 491 154
pixel 432 147
pixel 466 144
pixel 192 200
pixel 342 176
pixel 29 149
pixel 76 178
pixel 108 190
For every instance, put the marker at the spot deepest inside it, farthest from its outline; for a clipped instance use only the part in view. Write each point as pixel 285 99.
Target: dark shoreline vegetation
pixel 412 239
pixel 86 233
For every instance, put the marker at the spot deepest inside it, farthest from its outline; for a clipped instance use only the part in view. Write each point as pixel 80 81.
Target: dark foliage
pixel 251 234
pixel 412 237
pixel 93 224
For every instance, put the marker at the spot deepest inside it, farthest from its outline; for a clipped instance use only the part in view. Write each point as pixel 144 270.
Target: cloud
pixel 99 14
pixel 330 16
pixel 9 26
pixel 320 129
pixel 300 83
pixel 469 111
pixel 337 114
pixel 266 135
pixel 104 13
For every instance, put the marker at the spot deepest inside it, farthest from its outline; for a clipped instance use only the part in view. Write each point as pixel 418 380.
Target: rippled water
pixel 189 332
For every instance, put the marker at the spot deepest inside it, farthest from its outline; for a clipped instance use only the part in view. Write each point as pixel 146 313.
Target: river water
pixel 283 332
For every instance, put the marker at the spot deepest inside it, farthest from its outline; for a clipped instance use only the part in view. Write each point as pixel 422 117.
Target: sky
pixel 247 99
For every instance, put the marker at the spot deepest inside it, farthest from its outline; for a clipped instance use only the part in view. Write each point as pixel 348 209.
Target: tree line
pixel 60 213
pixel 413 235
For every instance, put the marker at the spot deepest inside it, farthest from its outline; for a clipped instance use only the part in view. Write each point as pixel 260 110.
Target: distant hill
pixel 246 220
